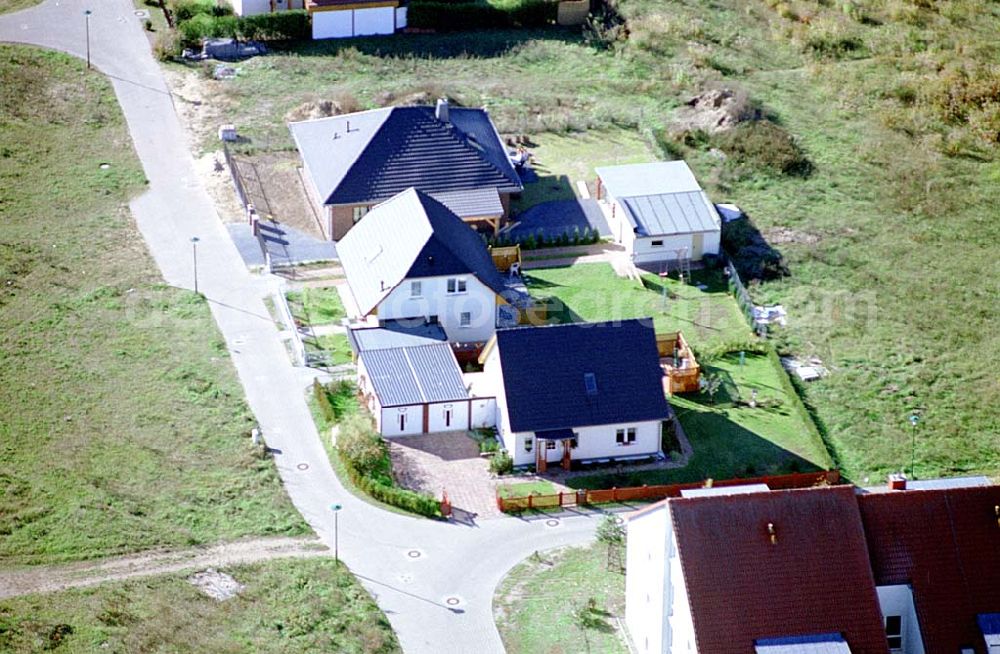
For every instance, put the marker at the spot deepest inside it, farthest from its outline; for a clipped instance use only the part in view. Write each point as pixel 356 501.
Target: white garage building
pixel 332 19
pixel 658 211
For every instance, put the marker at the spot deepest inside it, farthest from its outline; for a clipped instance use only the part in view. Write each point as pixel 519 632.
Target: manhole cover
pixel 141 13
pixel 414 554
pixel 552 523
pixel 452 601
pixel 619 520
pixel 303 466
pixel 104 166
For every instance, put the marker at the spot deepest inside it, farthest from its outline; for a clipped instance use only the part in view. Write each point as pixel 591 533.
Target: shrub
pixel 323 402
pixel 501 464
pixel 185 10
pixel 605 27
pixel 359 445
pixel 279 26
pixel 762 143
pixel 167 45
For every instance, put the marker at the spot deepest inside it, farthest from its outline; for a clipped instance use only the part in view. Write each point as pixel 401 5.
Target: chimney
pixel 897 481
pixel 441 111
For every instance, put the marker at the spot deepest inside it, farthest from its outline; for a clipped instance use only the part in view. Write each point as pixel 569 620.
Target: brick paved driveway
pixel 449 461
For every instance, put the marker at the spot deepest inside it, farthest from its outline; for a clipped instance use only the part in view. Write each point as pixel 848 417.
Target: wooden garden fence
pixel 644 493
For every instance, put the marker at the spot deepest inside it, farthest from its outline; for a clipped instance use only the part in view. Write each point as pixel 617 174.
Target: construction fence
pixel 651 493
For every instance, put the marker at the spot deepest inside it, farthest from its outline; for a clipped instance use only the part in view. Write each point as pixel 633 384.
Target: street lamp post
pixel 914 419
pixel 336 512
pixel 194 255
pixel 86 14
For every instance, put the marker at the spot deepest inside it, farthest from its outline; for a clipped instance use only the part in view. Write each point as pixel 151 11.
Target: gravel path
pixel 49 578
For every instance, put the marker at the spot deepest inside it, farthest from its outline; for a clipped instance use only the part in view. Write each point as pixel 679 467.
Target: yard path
pixel 50 578
pixel 434 580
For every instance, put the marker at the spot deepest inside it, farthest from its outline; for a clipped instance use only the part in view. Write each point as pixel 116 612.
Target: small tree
pixel 612 534
pixel 358 443
pixel 710 383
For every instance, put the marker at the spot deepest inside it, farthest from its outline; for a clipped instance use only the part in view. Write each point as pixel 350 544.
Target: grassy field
pixel 542 606
pixel 124 425
pixel 316 306
pixel 890 240
pixel 524 489
pixel 307 605
pixel 592 291
pixel 15 5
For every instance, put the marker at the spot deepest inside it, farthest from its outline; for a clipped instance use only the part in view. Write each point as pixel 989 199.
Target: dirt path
pixel 49 578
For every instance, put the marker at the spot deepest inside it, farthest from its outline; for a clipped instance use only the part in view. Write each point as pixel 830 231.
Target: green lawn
pixel 316 306
pixel 730 439
pixel 543 605
pixel 524 489
pixel 335 347
pixel 15 5
pixel 124 425
pixel 592 292
pixel 306 605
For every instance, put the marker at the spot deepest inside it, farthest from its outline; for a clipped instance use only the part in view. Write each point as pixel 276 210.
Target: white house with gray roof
pixel 659 212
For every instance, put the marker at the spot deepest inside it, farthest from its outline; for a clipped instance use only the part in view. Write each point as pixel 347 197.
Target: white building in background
pixel 659 212
pixel 335 18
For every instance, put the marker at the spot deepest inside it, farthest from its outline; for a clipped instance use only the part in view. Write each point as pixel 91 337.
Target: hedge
pixel 444 16
pixel 402 498
pixel 280 26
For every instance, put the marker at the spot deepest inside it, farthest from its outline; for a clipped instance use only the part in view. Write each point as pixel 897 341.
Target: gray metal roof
pixel 472 203
pixel 660 198
pixel 423 374
pixel 951 482
pixel 370 156
pixel 818 644
pixel 411 236
pixel 671 213
pixel 397 334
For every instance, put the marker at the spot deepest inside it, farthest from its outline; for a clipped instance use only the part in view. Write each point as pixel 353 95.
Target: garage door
pixel 353 22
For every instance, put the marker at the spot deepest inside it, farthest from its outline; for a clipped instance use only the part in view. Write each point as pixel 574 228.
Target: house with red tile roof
pixel 831 570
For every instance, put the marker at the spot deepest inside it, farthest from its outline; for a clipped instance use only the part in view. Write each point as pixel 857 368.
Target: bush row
pixel 445 16
pixel 534 241
pixel 279 26
pixel 402 498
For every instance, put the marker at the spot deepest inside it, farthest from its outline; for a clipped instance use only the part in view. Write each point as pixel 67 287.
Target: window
pixel 359 213
pixel 572 443
pixel 625 437
pixel 464 319
pixel 550 445
pixel 894 632
pixel 590 382
pixel 656 244
pixel 416 289
pixel 447 416
pixel 456 285
pixel 528 442
pixel 402 422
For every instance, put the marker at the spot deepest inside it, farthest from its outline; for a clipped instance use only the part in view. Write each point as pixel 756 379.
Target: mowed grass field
pixel 290 606
pixel 892 238
pixel 15 5
pixel 122 424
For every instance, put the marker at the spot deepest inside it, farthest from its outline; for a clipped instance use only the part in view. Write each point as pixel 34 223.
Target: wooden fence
pixel 645 493
pixel 504 257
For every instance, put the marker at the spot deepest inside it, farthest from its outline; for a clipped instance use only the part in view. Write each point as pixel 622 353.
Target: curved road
pixel 413 567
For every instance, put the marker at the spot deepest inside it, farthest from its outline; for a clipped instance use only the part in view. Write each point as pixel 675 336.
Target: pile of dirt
pixel 217 585
pixel 782 235
pixel 716 110
pixel 314 110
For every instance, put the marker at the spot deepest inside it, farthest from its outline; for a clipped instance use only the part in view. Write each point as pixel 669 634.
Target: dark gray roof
pixel 544 369
pixel 408 237
pixel 660 198
pixel 370 156
pixel 396 333
pixel 472 203
pixel 670 213
pixel 405 376
pixel 816 644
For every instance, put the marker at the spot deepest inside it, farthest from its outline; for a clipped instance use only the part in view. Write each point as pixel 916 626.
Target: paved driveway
pixel 449 461
pixel 560 217
pixel 286 245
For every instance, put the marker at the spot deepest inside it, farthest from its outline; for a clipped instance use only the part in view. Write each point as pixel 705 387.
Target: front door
pixel 567 454
pixel 697 244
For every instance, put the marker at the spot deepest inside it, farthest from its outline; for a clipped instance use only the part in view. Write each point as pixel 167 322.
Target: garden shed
pixel 659 212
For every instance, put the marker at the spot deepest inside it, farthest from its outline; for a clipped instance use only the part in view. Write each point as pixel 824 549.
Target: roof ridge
pixel 413 371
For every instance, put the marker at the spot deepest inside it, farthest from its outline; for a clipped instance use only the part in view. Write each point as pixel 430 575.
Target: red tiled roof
pixel 815 578
pixel 946 543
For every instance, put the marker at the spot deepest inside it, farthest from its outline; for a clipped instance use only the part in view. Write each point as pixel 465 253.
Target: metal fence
pixel 234 172
pixel 642 493
pixel 743 298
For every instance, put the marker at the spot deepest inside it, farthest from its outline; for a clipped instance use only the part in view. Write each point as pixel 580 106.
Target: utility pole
pixel 86 14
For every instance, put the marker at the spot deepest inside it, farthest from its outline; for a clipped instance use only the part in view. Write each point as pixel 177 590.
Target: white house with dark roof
pixel 577 392
pixel 356 161
pixel 413 261
pixel 659 212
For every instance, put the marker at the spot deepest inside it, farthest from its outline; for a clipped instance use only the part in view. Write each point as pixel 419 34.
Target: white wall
pixel 493 368
pixel 332 24
pixel 646 577
pixel 898 600
pixel 478 300
pixel 376 20
pixel 389 422
pixel 437 413
pixel 596 442
pixel 484 412
pixel 400 17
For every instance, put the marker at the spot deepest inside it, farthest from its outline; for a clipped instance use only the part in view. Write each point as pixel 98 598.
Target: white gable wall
pixel 434 300
pixel 898 600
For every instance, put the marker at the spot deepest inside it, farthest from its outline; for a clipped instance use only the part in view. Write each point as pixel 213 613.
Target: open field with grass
pixel 889 231
pixel 305 605
pixel 16 5
pixel 561 601
pixel 124 426
pixel 316 306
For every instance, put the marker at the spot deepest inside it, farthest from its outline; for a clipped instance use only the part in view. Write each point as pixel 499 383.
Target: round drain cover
pixel 303 466
pixel 552 523
pixel 414 554
pixel 452 601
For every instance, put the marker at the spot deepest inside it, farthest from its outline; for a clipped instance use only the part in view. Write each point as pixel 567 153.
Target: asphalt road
pixel 435 581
